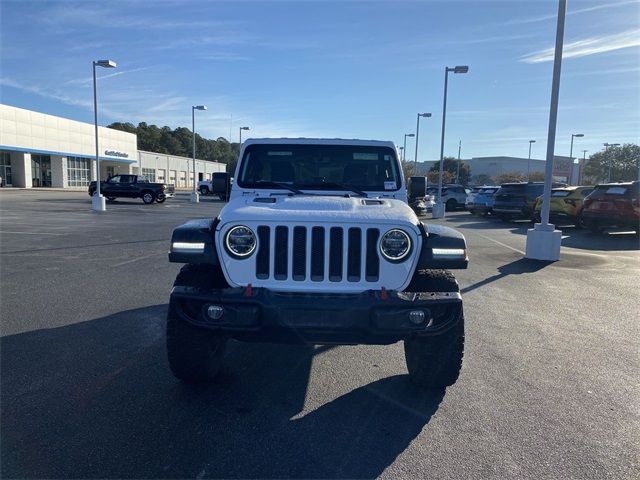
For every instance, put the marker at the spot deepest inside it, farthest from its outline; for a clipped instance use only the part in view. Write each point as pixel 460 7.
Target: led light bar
pixel 187 247
pixel 449 253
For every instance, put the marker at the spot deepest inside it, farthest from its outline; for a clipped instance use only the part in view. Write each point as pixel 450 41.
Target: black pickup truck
pixel 133 186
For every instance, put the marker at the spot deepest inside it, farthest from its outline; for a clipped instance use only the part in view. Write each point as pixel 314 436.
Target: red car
pixel 613 205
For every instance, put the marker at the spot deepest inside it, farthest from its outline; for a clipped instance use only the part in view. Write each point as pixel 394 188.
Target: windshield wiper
pixel 335 185
pixel 267 183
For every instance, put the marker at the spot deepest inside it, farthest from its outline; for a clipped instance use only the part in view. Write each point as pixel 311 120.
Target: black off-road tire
pixel 204 190
pixel 195 354
pixel 161 197
pixel 148 197
pixel 435 361
pixel 451 205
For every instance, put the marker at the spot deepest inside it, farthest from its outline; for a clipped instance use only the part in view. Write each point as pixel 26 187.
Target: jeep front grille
pixel 318 253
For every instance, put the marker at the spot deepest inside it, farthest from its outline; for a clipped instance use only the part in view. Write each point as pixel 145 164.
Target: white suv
pixel 317 244
pixel 453 195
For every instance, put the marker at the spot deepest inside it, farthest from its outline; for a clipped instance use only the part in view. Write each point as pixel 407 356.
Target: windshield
pixel 326 167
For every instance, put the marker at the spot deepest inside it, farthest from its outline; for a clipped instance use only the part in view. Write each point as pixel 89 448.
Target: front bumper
pixel 371 317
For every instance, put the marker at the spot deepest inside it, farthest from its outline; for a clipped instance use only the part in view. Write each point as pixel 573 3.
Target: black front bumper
pixel 371 317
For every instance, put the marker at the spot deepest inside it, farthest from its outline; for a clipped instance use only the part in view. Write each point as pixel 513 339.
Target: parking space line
pixel 502 244
pixel 33 233
pixel 139 258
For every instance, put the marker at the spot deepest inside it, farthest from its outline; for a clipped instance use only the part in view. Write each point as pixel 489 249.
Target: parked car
pixel 453 196
pixel 220 185
pixel 423 205
pixel 481 201
pixel 516 201
pixel 133 186
pixel 566 205
pixel 317 245
pixel 613 205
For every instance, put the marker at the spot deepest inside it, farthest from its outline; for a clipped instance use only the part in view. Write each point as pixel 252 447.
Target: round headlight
pixel 240 241
pixel 395 245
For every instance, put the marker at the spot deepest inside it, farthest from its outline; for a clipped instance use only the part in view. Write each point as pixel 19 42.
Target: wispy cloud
pixel 88 80
pixel 224 57
pixel 543 18
pixel 45 93
pixel 588 46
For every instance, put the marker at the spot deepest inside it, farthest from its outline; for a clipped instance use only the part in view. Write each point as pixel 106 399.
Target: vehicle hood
pixel 318 209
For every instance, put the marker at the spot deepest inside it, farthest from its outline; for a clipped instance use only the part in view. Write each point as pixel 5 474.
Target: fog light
pixel 416 316
pixel 215 312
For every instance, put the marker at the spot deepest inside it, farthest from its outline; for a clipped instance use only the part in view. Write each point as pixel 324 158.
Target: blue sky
pixel 346 69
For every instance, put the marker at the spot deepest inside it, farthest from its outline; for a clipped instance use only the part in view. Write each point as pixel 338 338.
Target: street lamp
pixel 529 159
pixel 438 208
pixel 241 129
pixel 404 149
pixel 415 160
pixel 578 135
pixel 401 152
pixel 98 203
pixel 606 147
pixel 195 198
pixel 459 161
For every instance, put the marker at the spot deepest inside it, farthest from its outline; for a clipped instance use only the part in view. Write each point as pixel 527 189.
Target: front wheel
pixel 451 205
pixel 435 362
pixel 161 197
pixel 195 354
pixel 148 197
pixel 204 190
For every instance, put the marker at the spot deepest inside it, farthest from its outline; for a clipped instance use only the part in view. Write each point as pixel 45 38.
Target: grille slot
pixel 262 257
pixel 299 253
pixel 354 252
pixel 335 254
pixel 372 271
pixel 281 246
pixel 317 254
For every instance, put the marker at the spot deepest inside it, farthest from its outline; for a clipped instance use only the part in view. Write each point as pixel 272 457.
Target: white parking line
pixel 503 244
pixel 139 258
pixel 32 233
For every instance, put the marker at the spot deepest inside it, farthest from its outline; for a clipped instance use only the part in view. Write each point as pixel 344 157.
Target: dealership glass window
pixel 79 171
pixel 183 178
pixel 160 175
pixel 5 169
pixel 150 173
pixel 40 170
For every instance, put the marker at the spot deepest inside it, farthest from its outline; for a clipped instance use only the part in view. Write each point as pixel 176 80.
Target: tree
pixel 509 177
pixel 447 177
pixel 482 179
pixel 623 162
pixel 450 165
pixel 536 177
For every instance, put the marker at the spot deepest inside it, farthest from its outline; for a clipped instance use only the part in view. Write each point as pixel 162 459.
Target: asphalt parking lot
pixel 549 386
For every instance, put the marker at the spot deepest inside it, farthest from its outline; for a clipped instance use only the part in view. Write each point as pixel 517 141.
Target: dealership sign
pixel 113 153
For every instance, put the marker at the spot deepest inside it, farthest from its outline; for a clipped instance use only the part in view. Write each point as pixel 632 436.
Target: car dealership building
pixel 40 150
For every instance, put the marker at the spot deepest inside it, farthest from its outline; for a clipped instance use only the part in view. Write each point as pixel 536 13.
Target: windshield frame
pixel 317 186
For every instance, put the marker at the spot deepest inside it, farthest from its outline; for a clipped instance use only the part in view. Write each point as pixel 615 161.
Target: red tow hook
pixel 248 291
pixel 383 294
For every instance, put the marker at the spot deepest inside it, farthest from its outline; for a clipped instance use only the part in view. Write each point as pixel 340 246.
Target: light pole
pixel 459 150
pixel 415 160
pixel 438 208
pixel 98 203
pixel 195 198
pixel 579 135
pixel 401 153
pixel 240 130
pixel 584 160
pixel 529 159
pixel 544 241
pixel 606 147
pixel 404 149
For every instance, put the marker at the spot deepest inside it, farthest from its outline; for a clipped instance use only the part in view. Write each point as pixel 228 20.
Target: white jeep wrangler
pixel 317 244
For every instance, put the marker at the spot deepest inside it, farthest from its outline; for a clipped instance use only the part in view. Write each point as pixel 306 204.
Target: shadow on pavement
pixel 517 267
pixel 571 236
pixel 96 399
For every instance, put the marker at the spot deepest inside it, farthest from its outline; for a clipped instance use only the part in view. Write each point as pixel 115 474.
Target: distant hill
pixel 178 142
